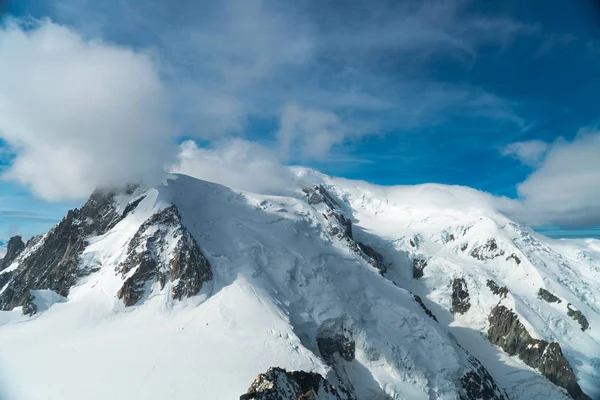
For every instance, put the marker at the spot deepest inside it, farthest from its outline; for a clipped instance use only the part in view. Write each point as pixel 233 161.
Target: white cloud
pixel 237 163
pixel 79 114
pixel 313 131
pixel 565 189
pixel 530 152
pixel 562 191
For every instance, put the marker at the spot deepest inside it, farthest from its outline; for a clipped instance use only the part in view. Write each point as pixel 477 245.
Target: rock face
pixel 373 257
pixel 163 250
pixel 419 265
pixel 547 296
pixel 514 257
pixel 53 262
pixel 334 340
pixel 424 307
pixel 498 290
pixel 508 332
pixel 341 226
pixel 578 316
pixel 487 251
pixel 14 248
pixel 318 194
pixel 478 384
pixel 460 296
pixel 344 222
pixel 279 384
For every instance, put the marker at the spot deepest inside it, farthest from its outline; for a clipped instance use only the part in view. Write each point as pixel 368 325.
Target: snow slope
pixel 279 276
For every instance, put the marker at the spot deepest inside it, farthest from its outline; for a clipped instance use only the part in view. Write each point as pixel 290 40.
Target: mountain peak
pixel 376 292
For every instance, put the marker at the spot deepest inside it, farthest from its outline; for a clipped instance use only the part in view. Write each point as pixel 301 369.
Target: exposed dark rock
pixel 547 296
pixel 132 206
pixel 498 290
pixel 334 339
pixel 487 251
pixel 460 296
pixel 464 246
pixel 513 256
pixel 419 265
pixel 346 223
pixel 424 307
pixel 318 194
pixel 451 237
pixel 578 316
pixel 279 384
pixel 412 243
pixel 508 332
pixel 478 384
pixel 187 268
pixel 14 247
pixel 53 262
pixel 373 257
pixel 5 277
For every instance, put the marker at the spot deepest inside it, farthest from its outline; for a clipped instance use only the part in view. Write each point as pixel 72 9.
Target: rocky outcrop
pixel 460 297
pixel 341 227
pixel 14 247
pixel 424 307
pixel 496 289
pixel 344 222
pixel 373 257
pixel 53 261
pixel 487 251
pixel 132 206
pixel 418 266
pixel 334 340
pixel 318 194
pixel 507 332
pixel 578 316
pixel 547 296
pixel 163 250
pixel 478 384
pixel 279 384
pixel 514 257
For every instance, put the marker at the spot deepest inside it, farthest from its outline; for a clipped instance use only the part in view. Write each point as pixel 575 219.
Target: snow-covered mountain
pixel 342 290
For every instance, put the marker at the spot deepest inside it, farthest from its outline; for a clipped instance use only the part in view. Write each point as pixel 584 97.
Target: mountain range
pixel 338 290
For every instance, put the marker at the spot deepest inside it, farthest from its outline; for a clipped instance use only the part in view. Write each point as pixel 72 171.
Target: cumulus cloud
pixel 529 153
pixel 237 163
pixel 565 188
pixel 78 114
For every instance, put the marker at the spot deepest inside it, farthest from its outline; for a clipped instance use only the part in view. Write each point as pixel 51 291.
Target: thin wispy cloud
pixel 231 61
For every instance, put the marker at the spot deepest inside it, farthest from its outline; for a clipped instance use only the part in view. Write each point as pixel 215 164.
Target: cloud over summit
pixel 78 114
pixel 100 95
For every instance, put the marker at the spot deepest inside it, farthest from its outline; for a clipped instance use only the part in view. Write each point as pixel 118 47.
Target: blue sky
pixel 386 91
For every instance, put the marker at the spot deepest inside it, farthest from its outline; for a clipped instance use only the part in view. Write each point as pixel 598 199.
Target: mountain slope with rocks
pixel 341 290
